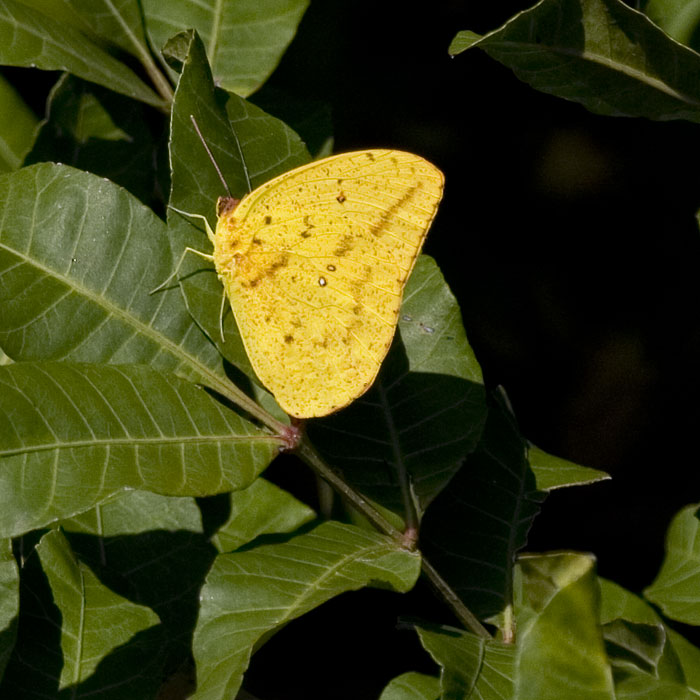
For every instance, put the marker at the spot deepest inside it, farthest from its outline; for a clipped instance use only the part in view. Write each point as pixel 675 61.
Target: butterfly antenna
pixel 210 154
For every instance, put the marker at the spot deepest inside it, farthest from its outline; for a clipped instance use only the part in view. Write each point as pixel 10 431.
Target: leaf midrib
pixel 127 442
pixel 316 585
pixel 602 60
pixel 139 326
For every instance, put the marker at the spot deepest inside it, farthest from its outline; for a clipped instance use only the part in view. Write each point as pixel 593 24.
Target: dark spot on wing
pixel 257 241
pixel 344 248
pixel 288 339
pixel 251 283
pixel 307 232
pixel 378 228
pixel 268 220
pixel 341 197
pixel 281 261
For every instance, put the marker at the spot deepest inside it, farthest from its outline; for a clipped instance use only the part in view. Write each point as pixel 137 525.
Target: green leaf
pixel 9 602
pixel 424 413
pixel 472 667
pixel 75 435
pixel 78 258
pixel 17 127
pixel 412 686
pixel 633 652
pixel 637 685
pixel 601 53
pixel 61 11
pixel 94 129
pixel 678 18
pixel 559 650
pixel 32 39
pixel 689 657
pixel 266 147
pixel 102 21
pixel 245 39
pixel 131 669
pixel 260 509
pixel 160 569
pixel 554 472
pixel 676 590
pixel 110 22
pixel 643 659
pixel 476 526
pixel 252 594
pixel 636 646
pixel 95 621
pixel 249 147
pixel 116 22
pixel 131 512
pixel 311 119
pixel 620 604
pixel 557 607
pixel 195 182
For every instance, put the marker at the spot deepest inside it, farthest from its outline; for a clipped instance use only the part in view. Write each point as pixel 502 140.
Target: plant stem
pixel 160 81
pixel 308 453
pixel 242 400
pixel 509 624
pixel 155 74
pixel 463 613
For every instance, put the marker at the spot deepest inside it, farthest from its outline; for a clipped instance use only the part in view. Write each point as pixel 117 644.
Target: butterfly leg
pixel 164 284
pixel 221 316
pixel 207 227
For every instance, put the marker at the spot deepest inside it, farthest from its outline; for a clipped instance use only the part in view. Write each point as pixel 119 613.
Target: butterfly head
pixel 225 205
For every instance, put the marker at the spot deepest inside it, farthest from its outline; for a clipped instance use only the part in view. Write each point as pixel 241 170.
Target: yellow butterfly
pixel 314 264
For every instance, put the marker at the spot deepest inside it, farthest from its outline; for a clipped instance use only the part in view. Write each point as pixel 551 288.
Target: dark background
pixel 571 243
